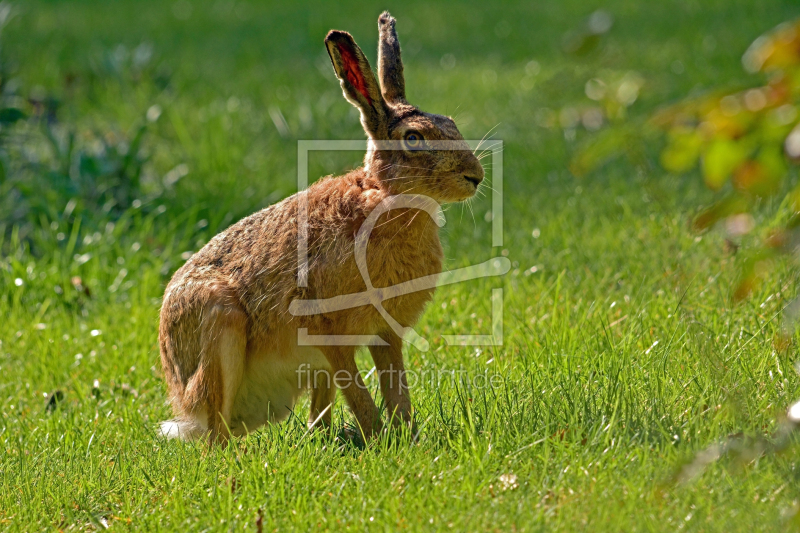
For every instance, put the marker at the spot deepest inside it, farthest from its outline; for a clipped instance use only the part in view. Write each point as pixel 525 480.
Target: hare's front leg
pixel 323 395
pixel 392 376
pixel 347 378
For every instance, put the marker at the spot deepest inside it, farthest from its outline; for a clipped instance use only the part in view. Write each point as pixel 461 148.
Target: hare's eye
pixel 413 140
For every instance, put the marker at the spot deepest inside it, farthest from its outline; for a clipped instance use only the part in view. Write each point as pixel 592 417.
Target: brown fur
pixel 390 66
pixel 225 322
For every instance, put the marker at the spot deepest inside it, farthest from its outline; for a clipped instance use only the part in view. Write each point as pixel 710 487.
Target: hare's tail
pixel 182 429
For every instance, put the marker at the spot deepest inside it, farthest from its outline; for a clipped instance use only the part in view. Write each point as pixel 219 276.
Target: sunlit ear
pixel 358 82
pixel 390 65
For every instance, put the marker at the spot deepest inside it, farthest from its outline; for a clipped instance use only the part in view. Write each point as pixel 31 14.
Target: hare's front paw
pixel 351 436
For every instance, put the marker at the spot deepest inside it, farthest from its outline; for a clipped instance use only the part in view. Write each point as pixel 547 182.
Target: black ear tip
pixel 338 36
pixel 385 19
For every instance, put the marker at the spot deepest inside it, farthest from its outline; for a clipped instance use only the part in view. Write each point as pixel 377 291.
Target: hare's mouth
pixel 473 180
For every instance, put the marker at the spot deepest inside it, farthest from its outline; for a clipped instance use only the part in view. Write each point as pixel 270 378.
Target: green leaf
pixel 773 161
pixel 720 159
pixel 726 207
pixel 775 50
pixel 682 152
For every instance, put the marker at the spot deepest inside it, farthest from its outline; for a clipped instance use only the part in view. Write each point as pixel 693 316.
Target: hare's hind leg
pixel 214 387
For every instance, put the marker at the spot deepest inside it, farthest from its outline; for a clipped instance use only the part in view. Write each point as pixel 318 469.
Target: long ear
pixel 390 65
pixel 358 82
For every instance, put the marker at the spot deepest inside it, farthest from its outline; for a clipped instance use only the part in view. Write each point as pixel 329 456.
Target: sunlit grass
pixel 622 357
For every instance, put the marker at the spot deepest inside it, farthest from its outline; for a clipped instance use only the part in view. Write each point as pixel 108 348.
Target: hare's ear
pixel 358 82
pixel 390 66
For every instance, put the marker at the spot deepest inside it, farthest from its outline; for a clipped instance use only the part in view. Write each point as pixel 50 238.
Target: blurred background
pixel 197 105
pixel 187 113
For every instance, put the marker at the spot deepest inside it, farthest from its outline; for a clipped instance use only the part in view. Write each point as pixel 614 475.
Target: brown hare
pixel 228 339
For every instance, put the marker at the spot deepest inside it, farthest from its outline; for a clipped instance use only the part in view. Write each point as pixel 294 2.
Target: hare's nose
pixel 475 180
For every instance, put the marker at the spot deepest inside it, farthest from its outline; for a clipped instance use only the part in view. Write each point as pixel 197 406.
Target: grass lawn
pixel 622 357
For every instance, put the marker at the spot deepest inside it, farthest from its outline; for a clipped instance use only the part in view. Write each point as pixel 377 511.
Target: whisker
pixel 398 165
pixel 402 212
pixel 411 177
pixel 484 137
pixel 472 211
pixel 488 151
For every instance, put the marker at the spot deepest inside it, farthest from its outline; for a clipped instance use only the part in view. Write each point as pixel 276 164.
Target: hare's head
pixel 410 151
